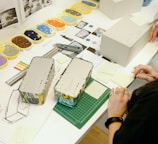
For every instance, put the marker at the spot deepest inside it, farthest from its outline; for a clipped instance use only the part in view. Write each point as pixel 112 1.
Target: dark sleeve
pixel 142 120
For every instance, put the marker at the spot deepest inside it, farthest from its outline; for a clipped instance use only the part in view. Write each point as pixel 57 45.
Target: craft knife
pixel 71 48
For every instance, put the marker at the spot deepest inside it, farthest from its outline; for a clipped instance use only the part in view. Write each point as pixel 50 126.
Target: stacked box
pixel 118 8
pixel 73 81
pixel 35 84
pixel 124 40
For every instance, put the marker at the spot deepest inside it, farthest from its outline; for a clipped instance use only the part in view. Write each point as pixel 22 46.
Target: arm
pixel 145 72
pixel 113 127
pixel 117 107
pixel 141 118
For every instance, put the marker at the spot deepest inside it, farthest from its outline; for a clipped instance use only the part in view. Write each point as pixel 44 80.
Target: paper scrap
pixel 105 71
pixel 95 89
pixel 61 58
pixel 123 79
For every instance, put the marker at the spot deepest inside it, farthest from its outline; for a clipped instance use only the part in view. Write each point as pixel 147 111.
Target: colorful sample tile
pixel 21 42
pixel 73 13
pixel 21 66
pixel 56 23
pixel 3 61
pixel 69 20
pixel 82 8
pixel 45 30
pixel 33 35
pixel 89 3
pixel 9 50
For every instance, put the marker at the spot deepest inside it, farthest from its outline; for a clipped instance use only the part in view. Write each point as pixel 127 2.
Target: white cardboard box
pixel 119 8
pixel 121 42
pixel 73 81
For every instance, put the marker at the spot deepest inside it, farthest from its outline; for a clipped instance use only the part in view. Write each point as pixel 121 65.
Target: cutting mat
pixel 85 108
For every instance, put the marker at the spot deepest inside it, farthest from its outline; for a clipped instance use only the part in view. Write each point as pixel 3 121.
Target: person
pixel 133 118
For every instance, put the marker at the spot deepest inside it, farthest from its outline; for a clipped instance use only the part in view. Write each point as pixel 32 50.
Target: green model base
pixel 84 110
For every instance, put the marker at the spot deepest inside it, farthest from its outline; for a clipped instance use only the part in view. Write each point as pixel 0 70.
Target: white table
pixel 58 130
pixel 52 128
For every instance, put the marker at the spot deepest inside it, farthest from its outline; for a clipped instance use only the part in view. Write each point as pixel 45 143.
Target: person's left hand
pixel 117 105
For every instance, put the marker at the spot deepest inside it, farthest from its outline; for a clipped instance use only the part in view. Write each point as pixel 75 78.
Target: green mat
pixel 85 108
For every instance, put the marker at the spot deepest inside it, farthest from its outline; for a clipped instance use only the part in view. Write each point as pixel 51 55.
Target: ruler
pixel 22 73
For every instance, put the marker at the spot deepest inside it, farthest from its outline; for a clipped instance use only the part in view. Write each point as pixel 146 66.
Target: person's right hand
pixel 145 72
pixel 154 34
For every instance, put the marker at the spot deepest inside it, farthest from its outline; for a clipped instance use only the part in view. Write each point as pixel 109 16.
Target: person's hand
pixel 154 34
pixel 145 72
pixel 117 105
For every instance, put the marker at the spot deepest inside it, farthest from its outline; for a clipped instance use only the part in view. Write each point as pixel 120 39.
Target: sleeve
pixel 136 124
